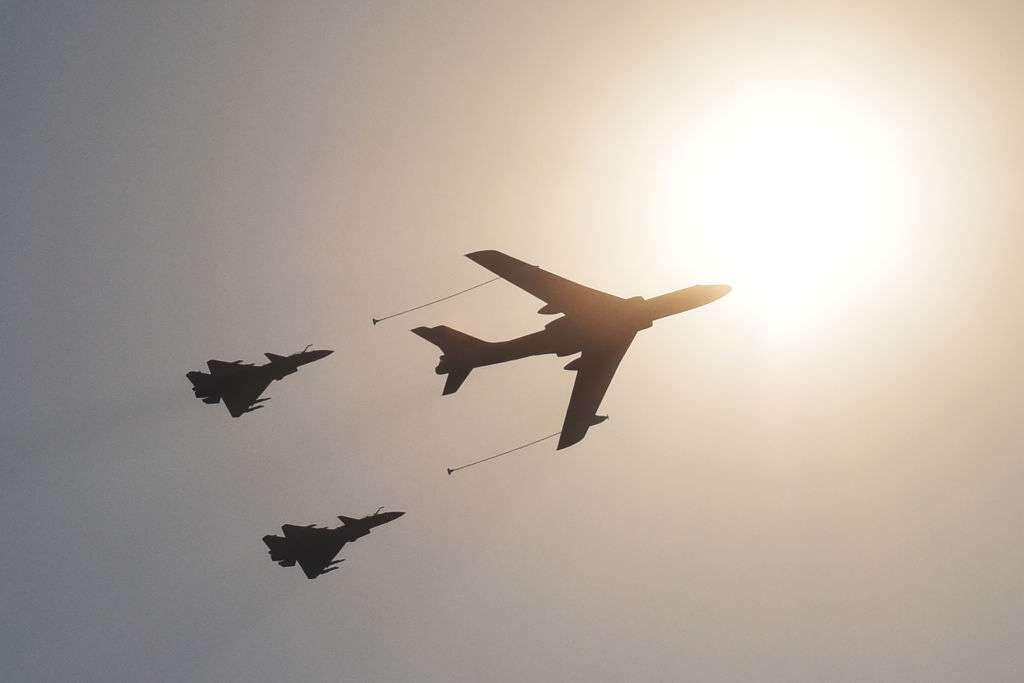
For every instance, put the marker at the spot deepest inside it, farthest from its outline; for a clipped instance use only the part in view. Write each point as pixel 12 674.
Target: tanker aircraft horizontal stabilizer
pixel 314 548
pixel 239 384
pixel 597 325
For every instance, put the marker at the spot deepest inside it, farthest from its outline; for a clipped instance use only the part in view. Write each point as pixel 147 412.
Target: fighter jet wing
pixel 311 548
pixel 221 367
pixel 594 372
pixel 300 533
pixel 314 554
pixel 314 563
pixel 561 295
pixel 240 392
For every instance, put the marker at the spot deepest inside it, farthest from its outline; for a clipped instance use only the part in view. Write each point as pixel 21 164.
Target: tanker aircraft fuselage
pixel 597 325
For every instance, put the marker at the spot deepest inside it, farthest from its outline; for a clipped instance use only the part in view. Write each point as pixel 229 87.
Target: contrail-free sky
pixel 817 478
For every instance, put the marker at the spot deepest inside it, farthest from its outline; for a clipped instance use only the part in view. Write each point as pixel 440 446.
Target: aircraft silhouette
pixel 314 548
pixel 599 325
pixel 239 384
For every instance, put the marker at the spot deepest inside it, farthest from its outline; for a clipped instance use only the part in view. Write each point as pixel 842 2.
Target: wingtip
pixel 569 440
pixel 483 255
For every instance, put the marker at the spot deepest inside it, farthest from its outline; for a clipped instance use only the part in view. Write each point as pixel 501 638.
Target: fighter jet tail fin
pixel 348 520
pixel 459 353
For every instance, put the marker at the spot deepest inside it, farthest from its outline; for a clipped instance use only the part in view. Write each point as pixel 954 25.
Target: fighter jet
pixel 599 325
pixel 314 548
pixel 239 384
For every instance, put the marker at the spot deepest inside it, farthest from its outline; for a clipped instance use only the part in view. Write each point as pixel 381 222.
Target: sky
pixel 814 478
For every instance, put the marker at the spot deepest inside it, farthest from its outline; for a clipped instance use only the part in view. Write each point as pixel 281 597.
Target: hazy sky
pixel 817 478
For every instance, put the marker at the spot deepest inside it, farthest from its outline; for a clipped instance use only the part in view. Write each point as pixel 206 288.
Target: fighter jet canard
pixel 314 548
pixel 239 384
pixel 598 325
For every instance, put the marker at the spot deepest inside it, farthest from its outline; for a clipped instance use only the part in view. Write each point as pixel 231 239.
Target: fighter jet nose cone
pixel 384 517
pixel 721 290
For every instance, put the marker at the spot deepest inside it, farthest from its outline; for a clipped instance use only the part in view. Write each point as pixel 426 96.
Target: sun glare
pixel 799 199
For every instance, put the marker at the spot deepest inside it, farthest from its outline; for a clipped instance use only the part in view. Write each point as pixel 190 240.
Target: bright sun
pixel 799 198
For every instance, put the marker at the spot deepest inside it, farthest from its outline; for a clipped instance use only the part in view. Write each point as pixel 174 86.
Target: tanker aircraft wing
pixel 594 372
pixel 560 295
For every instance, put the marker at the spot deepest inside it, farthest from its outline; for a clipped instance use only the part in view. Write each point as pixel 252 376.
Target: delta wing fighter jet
pixel 314 548
pixel 600 326
pixel 239 384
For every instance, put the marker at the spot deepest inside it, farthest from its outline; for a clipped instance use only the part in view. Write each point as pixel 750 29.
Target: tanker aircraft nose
pixel 718 291
pixel 684 300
